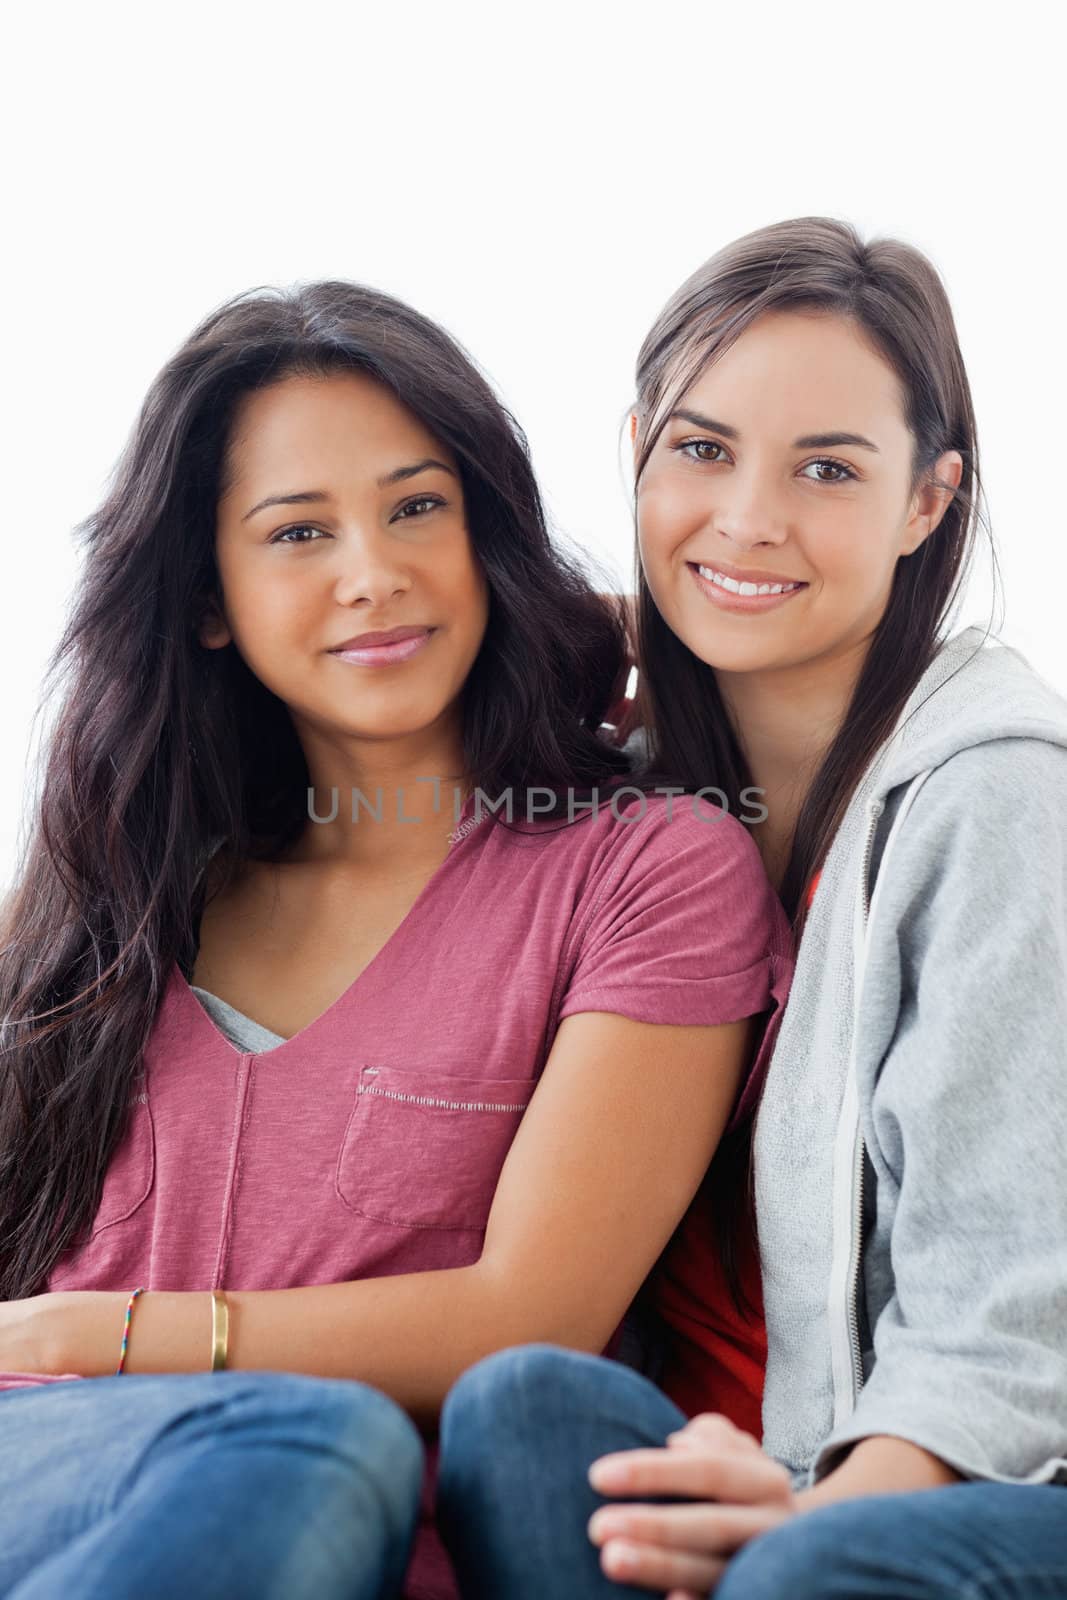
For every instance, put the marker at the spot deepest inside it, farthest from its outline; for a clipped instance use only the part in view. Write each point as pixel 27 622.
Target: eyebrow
pixel 807 441
pixel 303 497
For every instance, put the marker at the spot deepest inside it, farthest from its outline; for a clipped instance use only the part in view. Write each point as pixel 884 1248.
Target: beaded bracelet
pixel 126 1328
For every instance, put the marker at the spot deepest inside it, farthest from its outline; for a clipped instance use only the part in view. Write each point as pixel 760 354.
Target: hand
pixel 74 1330
pixel 684 1549
pixel 23 1340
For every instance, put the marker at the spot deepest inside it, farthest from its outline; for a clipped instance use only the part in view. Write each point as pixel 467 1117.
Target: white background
pixel 539 179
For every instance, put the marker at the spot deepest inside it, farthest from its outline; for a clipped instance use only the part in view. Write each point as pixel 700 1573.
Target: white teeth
pixel 735 587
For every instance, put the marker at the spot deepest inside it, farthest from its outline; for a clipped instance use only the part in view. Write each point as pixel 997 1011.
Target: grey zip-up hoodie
pixel 911 1142
pixel 911 1170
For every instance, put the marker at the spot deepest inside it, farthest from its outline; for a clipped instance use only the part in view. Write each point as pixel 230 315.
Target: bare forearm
pixel 879 1465
pixel 410 1335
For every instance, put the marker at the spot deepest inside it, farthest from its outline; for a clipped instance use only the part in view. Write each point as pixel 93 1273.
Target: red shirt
pixel 715 1356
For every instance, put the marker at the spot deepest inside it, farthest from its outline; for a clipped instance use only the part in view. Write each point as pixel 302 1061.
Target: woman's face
pixel 787 462
pixel 378 542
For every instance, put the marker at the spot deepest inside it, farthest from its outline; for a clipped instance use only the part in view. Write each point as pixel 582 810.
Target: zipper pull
pixel 874 811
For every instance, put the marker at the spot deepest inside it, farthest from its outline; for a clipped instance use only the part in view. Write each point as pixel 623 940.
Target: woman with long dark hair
pixel 351 1003
pixel 807 493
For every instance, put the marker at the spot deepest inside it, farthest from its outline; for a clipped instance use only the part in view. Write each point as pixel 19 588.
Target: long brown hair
pixel 162 751
pixel 895 294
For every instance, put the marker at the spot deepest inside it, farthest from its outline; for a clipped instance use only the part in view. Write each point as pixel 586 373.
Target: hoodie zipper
pixel 846 1356
pixel 875 811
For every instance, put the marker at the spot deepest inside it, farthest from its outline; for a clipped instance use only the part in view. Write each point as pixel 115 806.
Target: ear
pixel 633 427
pixel 932 501
pixel 213 631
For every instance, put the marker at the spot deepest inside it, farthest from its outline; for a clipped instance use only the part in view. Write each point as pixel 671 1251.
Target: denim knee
pixel 378 1433
pixel 968 1538
pixel 491 1386
pixel 507 1400
pixel 792 1560
pixel 818 1555
pixel 333 1415
pixel 498 1389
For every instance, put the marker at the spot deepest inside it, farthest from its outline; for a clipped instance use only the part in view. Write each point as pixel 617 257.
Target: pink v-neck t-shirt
pixel 371 1141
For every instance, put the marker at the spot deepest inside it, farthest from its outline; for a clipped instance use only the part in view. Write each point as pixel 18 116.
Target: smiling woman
pixel 377 1085
pixel 906 1156
pixel 836 519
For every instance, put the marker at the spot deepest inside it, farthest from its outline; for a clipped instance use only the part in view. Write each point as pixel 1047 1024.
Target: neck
pixel 397 801
pixel 785 719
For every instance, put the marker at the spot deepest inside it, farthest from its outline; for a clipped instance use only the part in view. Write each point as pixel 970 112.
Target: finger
pixel 687 1594
pixel 692 1441
pixel 713 1427
pixel 650 1568
pixel 713 1419
pixel 701 1474
pixel 711 1530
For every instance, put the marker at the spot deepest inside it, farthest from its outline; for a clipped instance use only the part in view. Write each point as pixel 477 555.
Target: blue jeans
pixel 248 1485
pixel 519 1430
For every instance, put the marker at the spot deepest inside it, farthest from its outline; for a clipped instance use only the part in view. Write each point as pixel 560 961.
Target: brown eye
pixel 688 445
pixel 419 507
pixel 297 527
pixel 836 466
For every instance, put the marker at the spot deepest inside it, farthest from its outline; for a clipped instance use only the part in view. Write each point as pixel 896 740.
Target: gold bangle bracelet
pixel 220 1329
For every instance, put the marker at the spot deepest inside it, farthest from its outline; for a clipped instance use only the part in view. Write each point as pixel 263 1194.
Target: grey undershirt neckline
pixel 242 1031
pixel 239 1029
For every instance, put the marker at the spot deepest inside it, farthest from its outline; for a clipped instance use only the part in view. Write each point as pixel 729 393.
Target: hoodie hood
pixel 998 696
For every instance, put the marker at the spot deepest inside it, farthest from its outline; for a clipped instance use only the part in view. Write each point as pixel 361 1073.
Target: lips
pixel 410 643
pixel 749 601
pixel 364 641
pixel 743 575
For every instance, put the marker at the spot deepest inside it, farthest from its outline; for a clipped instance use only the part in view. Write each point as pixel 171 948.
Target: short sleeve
pixel 684 928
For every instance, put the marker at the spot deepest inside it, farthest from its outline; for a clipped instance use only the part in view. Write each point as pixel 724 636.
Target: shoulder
pixel 675 834
pixel 647 842
pixel 987 825
pixel 1000 788
pixel 646 855
pixel 691 874
pixel 975 693
pixel 676 903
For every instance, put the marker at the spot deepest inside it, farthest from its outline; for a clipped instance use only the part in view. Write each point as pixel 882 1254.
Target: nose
pixel 746 515
pixel 370 569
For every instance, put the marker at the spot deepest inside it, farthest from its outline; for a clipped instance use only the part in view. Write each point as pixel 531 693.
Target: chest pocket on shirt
pixel 130 1172
pixel 426 1152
